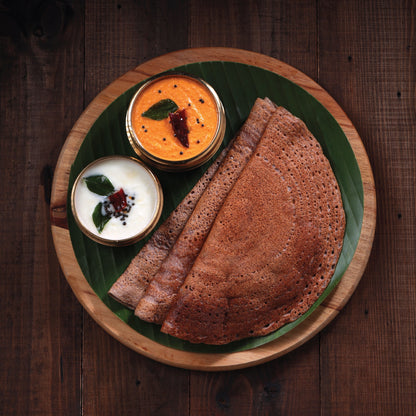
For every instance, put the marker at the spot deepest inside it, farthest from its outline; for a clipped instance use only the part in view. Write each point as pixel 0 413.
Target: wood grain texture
pixel 41 322
pixel 375 84
pixel 267 389
pixel 363 53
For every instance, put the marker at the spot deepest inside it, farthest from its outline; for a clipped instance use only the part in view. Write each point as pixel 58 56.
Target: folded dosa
pixel 162 290
pixel 129 288
pixel 273 247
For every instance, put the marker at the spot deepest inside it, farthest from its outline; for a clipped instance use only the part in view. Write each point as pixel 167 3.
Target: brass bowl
pixel 84 220
pixel 184 164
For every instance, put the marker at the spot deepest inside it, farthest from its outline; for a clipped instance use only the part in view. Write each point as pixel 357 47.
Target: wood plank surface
pixel 369 65
pixel 55 57
pixel 41 328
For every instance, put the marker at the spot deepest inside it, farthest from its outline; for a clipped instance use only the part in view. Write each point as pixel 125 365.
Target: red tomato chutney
pixel 158 136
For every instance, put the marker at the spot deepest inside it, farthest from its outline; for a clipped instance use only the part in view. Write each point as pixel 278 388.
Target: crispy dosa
pixel 273 247
pixel 162 290
pixel 129 288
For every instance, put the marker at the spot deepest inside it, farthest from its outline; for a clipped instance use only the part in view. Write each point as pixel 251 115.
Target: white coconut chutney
pixel 141 192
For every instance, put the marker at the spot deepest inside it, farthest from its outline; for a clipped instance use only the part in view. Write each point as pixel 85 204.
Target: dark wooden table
pixel 55 57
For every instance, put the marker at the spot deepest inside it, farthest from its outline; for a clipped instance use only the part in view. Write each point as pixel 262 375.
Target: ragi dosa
pixel 162 290
pixel 273 247
pixel 133 282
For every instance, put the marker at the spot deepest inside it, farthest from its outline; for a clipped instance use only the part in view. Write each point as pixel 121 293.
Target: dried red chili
pixel 118 200
pixel 179 125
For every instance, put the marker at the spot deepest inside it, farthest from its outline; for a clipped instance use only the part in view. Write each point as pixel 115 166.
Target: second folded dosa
pixel 161 292
pixel 130 287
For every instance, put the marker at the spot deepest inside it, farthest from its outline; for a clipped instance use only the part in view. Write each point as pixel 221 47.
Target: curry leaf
pixel 99 184
pixel 161 109
pixel 99 219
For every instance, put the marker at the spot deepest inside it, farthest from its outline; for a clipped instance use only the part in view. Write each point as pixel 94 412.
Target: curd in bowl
pixel 116 200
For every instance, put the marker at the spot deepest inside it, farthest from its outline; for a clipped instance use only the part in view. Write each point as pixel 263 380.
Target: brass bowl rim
pixel 136 237
pixel 183 164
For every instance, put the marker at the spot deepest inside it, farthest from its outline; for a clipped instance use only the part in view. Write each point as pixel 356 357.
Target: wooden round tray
pixel 123 332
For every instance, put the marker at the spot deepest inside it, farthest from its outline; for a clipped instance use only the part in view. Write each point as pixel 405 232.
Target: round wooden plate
pixel 118 328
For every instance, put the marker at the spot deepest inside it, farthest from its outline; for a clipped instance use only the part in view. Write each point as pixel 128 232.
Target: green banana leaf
pixel 238 85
